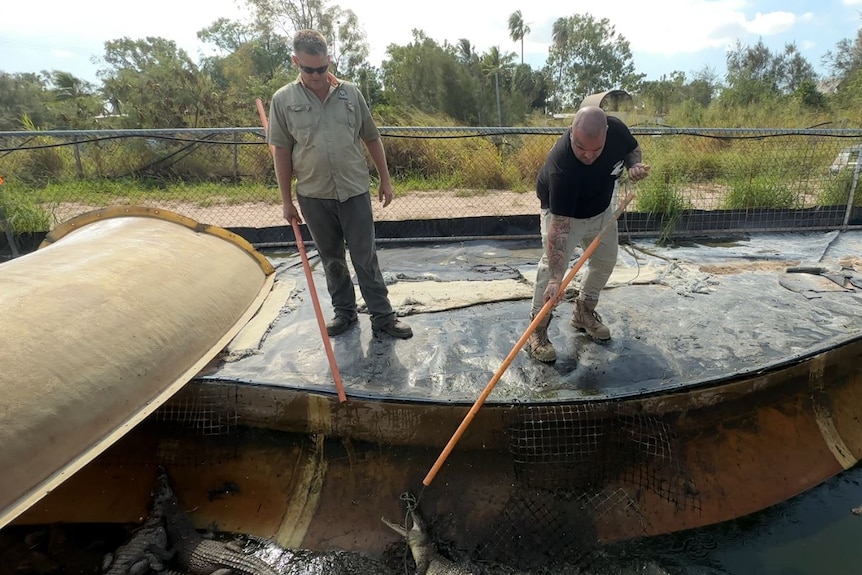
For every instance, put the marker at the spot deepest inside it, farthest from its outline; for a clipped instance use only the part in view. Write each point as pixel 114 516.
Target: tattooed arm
pixel 634 162
pixel 558 258
pixel 635 157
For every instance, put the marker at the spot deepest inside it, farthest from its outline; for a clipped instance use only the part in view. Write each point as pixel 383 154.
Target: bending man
pixel 575 187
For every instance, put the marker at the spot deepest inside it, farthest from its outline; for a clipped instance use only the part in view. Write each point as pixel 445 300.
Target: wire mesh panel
pixel 702 179
pixel 579 468
pixel 197 426
pixel 208 410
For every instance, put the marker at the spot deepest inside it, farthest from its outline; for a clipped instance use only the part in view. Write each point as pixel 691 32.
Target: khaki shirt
pixel 324 137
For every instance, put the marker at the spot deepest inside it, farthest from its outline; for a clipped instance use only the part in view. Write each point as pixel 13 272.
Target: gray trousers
pixel 332 224
pixel 600 265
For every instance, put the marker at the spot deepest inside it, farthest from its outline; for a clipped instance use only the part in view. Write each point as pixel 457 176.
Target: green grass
pixel 760 192
pixel 21 213
pixel 104 192
pixel 661 193
pixel 836 191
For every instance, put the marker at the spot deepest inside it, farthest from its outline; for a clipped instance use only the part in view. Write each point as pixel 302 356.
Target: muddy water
pixel 813 534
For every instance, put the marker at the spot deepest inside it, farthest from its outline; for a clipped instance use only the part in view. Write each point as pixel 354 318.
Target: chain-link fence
pixel 702 181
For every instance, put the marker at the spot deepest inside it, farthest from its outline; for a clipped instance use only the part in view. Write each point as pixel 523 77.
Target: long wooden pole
pixel 321 324
pixel 549 305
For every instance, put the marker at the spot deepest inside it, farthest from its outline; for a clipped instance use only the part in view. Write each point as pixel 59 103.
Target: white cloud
pixel 771 23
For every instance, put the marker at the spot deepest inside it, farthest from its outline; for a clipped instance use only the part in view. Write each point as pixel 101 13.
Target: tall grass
pixel 662 194
pixel 759 191
pixel 836 192
pixel 21 213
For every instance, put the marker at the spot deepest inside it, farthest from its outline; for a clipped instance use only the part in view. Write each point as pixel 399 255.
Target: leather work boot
pixel 396 328
pixel 538 346
pixel 586 319
pixel 339 324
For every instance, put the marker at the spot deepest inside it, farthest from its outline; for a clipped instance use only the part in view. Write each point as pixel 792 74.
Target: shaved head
pixel 588 133
pixel 590 121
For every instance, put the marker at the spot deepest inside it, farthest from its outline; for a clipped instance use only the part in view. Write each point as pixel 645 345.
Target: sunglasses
pixel 310 70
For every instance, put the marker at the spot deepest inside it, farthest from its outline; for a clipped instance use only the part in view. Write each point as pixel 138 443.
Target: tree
pixel 248 63
pixel 368 82
pixel 341 28
pixel 77 102
pixel 847 57
pixel 672 91
pixel 429 76
pixel 592 55
pixel 157 85
pixel 531 86
pixel 24 94
pixel 755 73
pixel 518 29
pixel 498 67
pixel 845 64
pixel 560 48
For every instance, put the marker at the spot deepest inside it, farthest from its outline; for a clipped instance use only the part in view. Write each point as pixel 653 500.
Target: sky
pixel 664 36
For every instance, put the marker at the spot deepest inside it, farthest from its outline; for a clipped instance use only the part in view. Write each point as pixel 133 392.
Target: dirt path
pixel 417 205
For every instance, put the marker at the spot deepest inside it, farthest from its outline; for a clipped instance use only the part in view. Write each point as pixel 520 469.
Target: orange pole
pixel 333 367
pixel 549 305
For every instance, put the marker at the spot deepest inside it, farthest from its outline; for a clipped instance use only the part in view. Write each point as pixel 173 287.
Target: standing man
pixel 575 187
pixel 317 127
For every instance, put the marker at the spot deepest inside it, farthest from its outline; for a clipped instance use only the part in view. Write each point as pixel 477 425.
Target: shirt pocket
pixel 300 119
pixel 350 110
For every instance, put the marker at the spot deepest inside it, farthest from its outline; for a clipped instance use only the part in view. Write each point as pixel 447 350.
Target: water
pixel 814 533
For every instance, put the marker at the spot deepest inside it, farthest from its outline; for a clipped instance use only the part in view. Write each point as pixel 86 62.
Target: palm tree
pixel 518 29
pixel 560 34
pixel 494 63
pixel 465 51
pixel 79 93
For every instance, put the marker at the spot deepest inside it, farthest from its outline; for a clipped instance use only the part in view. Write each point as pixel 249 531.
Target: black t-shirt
pixel 570 188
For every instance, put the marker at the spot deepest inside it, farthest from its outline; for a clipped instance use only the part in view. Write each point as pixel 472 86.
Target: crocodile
pixel 195 554
pixel 428 559
pixel 146 550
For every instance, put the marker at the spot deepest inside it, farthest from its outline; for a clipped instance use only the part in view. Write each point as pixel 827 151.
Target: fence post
pixel 77 152
pixel 851 199
pixel 10 237
pixel 235 160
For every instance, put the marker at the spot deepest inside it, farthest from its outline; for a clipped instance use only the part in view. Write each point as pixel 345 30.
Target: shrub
pixel 413 158
pixel 661 193
pixel 836 191
pixel 530 156
pixel 22 213
pixel 41 165
pixel 480 166
pixel 759 192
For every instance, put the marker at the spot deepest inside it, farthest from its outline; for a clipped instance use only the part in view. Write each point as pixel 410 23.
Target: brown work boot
pixel 586 319
pixel 339 324
pixel 395 328
pixel 538 346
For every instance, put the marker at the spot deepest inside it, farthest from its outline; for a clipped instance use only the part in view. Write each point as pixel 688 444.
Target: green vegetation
pixel 151 83
pixel 759 192
pixel 663 194
pixel 22 212
pixel 836 192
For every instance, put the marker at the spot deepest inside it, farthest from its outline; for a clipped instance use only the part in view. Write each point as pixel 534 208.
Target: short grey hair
pixel 309 42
